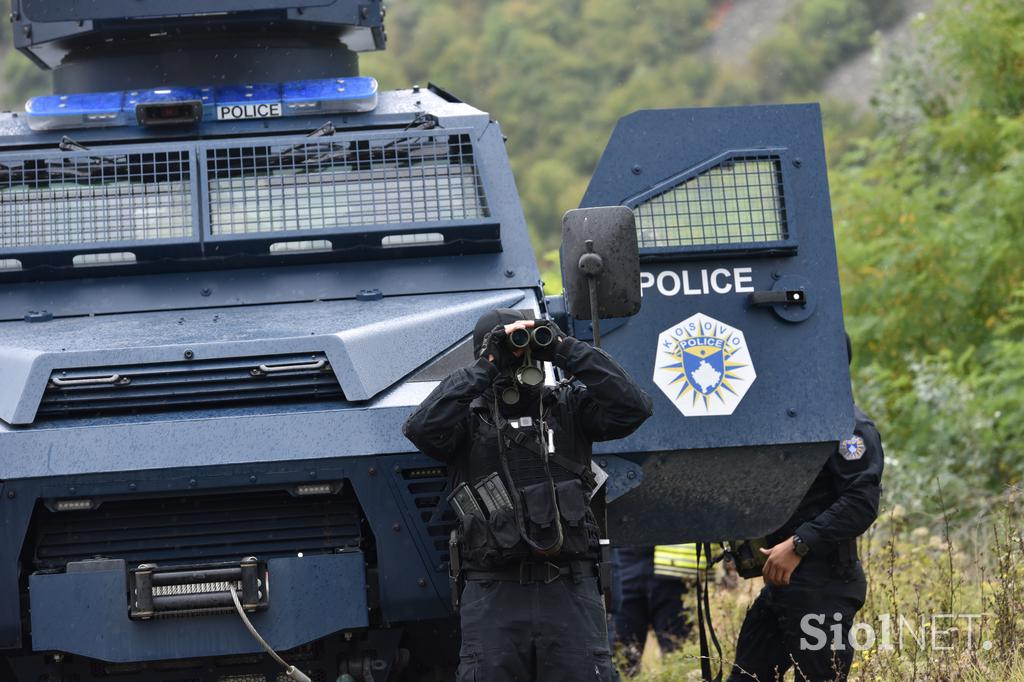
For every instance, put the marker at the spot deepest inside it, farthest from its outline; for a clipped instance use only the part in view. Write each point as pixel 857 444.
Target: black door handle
pixel 783 296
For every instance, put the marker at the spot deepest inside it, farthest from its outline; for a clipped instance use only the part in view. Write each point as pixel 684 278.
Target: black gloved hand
pixel 547 353
pixel 493 348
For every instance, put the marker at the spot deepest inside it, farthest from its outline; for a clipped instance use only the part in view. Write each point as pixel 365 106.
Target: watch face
pixel 800 547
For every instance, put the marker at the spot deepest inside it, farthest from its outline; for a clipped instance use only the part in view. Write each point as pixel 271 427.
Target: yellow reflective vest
pixel 679 561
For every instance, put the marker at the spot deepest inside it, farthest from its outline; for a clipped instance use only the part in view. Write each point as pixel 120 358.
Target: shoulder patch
pixel 852 448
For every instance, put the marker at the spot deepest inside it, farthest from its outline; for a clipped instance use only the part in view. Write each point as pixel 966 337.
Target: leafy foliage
pixel 930 219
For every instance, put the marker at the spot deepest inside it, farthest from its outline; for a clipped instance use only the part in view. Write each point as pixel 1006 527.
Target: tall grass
pixel 949 594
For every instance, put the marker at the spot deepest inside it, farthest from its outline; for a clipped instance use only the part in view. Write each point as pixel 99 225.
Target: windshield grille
pixel 336 185
pixel 94 199
pixel 178 201
pixel 739 201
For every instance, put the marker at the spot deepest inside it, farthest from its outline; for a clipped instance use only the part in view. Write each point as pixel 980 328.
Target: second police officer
pixel 527 544
pixel 814 580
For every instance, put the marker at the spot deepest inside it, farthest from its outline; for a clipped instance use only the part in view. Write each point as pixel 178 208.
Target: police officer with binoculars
pixel 526 546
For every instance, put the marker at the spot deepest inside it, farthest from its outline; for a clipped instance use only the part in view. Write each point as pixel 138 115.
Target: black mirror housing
pixel 611 259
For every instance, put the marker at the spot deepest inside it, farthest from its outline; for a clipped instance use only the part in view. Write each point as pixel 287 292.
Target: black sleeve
pixel 438 426
pixel 612 405
pixel 859 487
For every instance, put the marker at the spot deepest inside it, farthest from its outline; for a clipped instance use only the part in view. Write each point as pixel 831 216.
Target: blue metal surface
pixel 355 336
pixel 623 476
pixel 311 597
pixel 802 390
pixel 426 304
pixel 741 471
pixel 412 585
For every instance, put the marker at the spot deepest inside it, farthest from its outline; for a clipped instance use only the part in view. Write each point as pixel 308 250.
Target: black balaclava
pixel 490 320
pixel 528 396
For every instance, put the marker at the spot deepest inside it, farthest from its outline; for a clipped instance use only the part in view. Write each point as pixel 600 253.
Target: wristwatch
pixel 800 547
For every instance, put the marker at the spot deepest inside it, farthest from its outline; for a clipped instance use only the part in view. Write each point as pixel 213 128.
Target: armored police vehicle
pixel 229 270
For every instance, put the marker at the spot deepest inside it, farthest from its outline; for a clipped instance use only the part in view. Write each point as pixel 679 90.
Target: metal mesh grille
pixel 88 199
pixel 737 202
pixel 344 184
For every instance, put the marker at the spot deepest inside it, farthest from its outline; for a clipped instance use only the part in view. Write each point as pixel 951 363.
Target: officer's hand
pixel 547 354
pixel 518 324
pixel 782 561
pixel 493 346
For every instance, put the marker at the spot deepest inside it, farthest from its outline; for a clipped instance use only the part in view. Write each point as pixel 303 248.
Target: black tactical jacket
pixel 842 502
pixel 455 424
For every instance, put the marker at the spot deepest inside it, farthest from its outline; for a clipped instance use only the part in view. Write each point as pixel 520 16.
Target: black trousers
pixel 538 632
pixel 795 626
pixel 648 600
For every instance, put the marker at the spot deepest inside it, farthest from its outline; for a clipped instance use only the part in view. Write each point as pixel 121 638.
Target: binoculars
pixel 527 374
pixel 538 337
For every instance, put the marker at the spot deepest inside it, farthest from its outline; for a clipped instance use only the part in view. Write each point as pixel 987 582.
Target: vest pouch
pixel 572 505
pixel 504 529
pixel 542 524
pixel 477 541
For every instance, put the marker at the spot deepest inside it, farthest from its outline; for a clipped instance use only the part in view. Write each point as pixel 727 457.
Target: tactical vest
pixel 551 492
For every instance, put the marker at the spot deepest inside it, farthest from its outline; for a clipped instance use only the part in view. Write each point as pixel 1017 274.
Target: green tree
pixel 930 220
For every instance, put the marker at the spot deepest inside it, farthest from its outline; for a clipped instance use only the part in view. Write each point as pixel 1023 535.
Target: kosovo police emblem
pixel 852 448
pixel 703 366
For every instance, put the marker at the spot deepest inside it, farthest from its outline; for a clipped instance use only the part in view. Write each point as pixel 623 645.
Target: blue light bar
pixel 92 110
pixel 321 96
pixel 230 103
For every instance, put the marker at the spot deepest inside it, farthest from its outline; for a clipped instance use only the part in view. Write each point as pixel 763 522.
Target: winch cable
pixel 289 670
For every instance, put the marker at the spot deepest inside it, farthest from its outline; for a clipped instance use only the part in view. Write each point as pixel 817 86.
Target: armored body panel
pixel 740 337
pixel 209 348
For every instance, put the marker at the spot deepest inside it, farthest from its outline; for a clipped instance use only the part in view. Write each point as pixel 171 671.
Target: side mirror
pixel 600 264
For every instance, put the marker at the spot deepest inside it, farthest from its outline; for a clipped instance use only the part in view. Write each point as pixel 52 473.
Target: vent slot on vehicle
pixel 190 383
pixel 428 487
pixel 199 529
pixel 419 177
